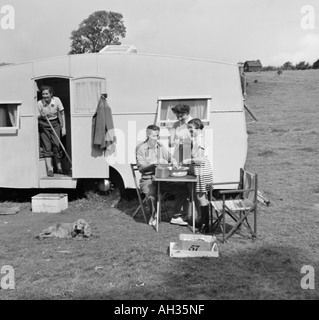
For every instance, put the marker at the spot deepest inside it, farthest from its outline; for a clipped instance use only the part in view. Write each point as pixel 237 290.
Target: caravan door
pixel 87 161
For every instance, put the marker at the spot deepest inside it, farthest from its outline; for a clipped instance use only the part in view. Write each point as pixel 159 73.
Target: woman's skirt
pixel 204 174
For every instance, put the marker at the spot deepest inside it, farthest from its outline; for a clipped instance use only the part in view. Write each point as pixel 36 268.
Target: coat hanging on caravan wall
pixel 103 135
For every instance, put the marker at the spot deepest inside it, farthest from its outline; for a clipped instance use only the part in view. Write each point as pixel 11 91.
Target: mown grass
pixel 127 259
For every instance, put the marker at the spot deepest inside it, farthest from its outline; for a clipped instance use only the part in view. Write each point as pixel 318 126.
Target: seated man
pixel 149 154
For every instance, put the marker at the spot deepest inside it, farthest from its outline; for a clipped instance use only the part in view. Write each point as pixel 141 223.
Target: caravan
pixel 141 89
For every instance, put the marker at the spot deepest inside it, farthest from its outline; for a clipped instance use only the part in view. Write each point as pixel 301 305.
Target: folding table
pixel 190 179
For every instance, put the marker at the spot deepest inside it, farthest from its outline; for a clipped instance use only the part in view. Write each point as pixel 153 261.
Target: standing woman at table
pixel 51 115
pixel 202 169
pixel 179 134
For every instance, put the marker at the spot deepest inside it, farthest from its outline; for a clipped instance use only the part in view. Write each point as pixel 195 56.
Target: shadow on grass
pixel 130 205
pixel 264 273
pixel 25 195
pixel 267 272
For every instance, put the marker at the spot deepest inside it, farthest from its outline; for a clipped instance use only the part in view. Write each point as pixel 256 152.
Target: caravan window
pixel 199 108
pixel 86 94
pixel 9 117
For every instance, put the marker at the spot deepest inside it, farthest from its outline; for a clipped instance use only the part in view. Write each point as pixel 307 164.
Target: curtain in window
pixel 166 110
pixel 3 116
pixel 8 115
pixel 87 94
pixel 12 111
pixel 198 109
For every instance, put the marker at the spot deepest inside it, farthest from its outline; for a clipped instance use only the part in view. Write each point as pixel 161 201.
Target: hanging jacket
pixel 103 134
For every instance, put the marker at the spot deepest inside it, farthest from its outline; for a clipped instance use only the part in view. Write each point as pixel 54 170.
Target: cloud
pixel 307 49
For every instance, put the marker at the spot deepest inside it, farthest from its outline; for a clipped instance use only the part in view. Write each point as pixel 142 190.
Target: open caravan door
pixel 87 160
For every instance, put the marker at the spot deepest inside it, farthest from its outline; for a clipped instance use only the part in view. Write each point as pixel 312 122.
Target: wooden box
pixel 49 202
pixel 196 242
pixel 176 251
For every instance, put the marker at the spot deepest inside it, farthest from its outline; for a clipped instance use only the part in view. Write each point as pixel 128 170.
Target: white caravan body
pixel 139 87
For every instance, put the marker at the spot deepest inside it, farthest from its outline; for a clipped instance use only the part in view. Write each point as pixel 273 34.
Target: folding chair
pixel 239 208
pixel 142 200
pixel 138 191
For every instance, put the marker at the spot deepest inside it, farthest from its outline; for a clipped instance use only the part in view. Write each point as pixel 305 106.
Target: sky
pixel 273 31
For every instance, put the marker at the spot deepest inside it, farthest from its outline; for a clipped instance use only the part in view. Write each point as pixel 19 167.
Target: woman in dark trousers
pixel 51 115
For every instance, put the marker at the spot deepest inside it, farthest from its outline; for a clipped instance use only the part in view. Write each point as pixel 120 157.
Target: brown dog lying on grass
pixel 67 230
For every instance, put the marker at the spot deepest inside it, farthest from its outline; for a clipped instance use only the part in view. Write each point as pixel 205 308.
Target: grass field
pixel 126 259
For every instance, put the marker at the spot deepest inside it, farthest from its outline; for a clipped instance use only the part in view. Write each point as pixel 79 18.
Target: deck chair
pixel 238 209
pixel 142 200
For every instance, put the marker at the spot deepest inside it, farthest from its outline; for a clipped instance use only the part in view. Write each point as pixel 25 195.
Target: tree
pixel 287 65
pixel 268 68
pixel 316 65
pixel 302 65
pixel 101 28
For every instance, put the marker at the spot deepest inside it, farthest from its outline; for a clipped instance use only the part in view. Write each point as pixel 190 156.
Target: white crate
pixel 49 202
pixel 196 242
pixel 176 251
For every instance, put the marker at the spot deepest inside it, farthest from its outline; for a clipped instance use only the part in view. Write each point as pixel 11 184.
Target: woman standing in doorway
pixel 51 116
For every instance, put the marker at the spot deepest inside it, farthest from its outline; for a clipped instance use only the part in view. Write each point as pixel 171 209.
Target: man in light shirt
pixel 149 154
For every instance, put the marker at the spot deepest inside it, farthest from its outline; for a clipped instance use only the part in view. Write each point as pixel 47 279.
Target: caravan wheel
pixel 113 188
pixel 117 182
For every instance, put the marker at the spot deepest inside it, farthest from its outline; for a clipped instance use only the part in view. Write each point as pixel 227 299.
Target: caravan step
pixel 58 176
pixel 57 181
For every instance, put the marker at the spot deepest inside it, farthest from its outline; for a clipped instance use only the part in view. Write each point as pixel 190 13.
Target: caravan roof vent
pixel 119 48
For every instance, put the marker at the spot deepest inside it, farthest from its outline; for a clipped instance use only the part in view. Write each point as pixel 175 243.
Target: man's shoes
pixel 204 229
pixel 152 222
pixel 60 171
pixel 179 221
pixel 50 173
